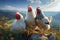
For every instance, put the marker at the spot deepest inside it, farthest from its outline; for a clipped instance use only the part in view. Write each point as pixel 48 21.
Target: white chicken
pixel 45 19
pixel 30 18
pixel 30 14
pixel 18 24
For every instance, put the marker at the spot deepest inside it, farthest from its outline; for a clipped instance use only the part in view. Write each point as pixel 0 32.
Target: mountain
pixel 56 20
pixel 9 14
pixel 51 13
pixel 57 17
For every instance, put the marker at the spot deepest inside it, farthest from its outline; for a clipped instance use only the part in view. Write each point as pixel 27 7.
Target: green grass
pixel 6 32
pixel 58 35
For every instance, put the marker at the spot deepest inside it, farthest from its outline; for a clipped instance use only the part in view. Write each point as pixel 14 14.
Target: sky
pixel 46 5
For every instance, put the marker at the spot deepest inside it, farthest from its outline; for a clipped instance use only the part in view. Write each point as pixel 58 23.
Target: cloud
pixel 32 1
pixel 35 1
pixel 55 8
pixel 11 8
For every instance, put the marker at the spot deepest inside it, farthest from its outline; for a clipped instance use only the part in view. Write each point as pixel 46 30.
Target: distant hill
pixel 51 13
pixel 56 20
pixel 57 17
pixel 9 14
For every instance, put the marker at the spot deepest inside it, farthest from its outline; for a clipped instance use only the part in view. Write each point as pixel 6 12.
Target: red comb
pixel 38 10
pixel 17 16
pixel 38 7
pixel 29 8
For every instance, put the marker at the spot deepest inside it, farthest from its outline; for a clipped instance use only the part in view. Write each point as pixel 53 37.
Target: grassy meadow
pixel 6 34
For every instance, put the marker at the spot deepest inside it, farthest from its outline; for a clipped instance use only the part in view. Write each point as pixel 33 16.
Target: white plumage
pixel 30 17
pixel 30 14
pixel 47 22
pixel 18 24
pixel 43 18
